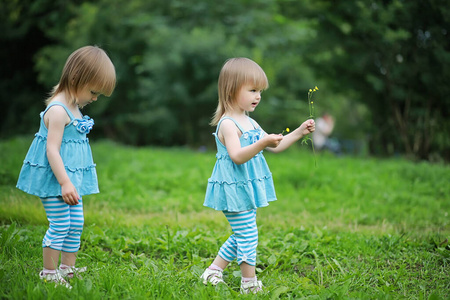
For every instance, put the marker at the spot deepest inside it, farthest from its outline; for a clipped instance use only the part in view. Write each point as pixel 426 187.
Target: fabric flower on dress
pixel 84 125
pixel 257 136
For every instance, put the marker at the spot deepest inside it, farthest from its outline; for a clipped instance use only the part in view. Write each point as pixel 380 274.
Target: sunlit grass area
pixel 352 227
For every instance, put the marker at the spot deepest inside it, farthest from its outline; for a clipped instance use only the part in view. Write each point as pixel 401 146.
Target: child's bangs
pixel 259 80
pixel 95 70
pixel 104 81
pixel 254 74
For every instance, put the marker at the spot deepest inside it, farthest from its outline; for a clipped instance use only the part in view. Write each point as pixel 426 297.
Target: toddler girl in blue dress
pixel 241 180
pixel 59 167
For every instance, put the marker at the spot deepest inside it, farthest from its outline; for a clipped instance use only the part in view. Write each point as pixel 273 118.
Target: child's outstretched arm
pixel 238 154
pixel 306 128
pixel 57 120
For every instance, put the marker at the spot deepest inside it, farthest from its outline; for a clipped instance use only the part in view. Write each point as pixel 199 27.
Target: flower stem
pixel 314 153
pixel 311 115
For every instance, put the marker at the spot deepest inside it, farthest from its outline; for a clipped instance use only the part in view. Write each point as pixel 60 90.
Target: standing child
pixel 58 166
pixel 241 180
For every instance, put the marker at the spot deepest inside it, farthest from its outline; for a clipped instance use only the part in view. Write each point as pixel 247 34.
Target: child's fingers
pixel 71 198
pixel 76 197
pixel 67 199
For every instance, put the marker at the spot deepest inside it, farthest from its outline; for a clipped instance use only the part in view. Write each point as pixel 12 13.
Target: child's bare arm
pixel 238 154
pixel 57 118
pixel 304 129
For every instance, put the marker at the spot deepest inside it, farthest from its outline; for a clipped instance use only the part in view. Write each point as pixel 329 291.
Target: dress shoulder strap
pixel 71 116
pixel 235 122
pixel 253 123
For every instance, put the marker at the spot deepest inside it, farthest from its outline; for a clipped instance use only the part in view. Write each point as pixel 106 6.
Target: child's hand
pixel 307 127
pixel 273 140
pixel 69 193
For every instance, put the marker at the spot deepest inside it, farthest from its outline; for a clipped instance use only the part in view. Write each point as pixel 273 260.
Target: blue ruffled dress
pixel 36 176
pixel 236 188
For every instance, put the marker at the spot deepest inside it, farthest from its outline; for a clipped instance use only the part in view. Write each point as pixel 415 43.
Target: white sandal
pixel 70 271
pixel 254 286
pixel 212 276
pixel 56 278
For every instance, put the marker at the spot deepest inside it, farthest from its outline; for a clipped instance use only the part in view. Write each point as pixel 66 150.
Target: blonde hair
pixel 90 67
pixel 235 73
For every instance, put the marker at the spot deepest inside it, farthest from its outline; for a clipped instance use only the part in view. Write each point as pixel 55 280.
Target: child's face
pixel 87 96
pixel 248 97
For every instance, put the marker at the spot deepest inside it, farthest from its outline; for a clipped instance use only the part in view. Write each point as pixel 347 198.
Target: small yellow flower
pixel 286 130
pixel 316 88
pixel 310 90
pixel 312 102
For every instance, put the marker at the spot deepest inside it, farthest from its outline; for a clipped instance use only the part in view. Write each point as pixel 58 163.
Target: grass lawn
pixel 350 228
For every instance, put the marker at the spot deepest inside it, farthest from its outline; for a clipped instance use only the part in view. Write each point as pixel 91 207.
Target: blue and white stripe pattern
pixel 66 224
pixel 244 240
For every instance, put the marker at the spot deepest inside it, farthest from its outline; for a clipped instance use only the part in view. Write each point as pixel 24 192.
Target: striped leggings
pixel 66 224
pixel 242 243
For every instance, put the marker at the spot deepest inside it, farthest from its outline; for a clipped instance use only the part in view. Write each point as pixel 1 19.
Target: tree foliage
pixel 383 65
pixel 396 56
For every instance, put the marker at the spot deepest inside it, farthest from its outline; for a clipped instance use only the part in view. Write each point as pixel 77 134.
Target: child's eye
pixel 95 93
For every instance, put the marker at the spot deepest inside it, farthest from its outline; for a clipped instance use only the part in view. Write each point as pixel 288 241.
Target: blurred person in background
pixel 324 128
